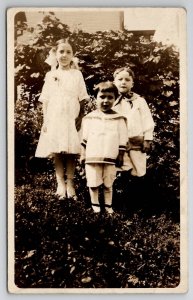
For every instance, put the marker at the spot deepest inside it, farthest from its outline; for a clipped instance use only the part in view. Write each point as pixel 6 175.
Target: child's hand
pixel 82 159
pixel 78 122
pixel 146 146
pixel 119 161
pixel 44 127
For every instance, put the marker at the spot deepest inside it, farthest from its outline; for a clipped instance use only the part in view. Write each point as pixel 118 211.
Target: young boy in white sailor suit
pixel 104 142
pixel 140 123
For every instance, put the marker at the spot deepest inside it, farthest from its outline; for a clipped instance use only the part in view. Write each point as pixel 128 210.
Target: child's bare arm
pixel 81 115
pixel 82 154
pixel 45 106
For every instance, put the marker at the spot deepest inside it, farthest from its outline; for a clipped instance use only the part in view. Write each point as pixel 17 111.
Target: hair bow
pixel 52 61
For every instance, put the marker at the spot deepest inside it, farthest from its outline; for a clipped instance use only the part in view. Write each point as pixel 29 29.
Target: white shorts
pixel 97 174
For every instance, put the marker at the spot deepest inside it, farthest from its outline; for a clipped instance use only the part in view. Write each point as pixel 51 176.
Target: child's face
pixel 64 54
pixel 105 101
pixel 123 82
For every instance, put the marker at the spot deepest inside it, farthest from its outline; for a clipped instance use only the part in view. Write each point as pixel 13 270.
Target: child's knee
pixel 108 189
pixel 93 189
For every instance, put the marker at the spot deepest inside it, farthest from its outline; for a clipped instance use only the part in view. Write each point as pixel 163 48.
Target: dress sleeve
pixel 147 120
pixel 123 134
pixel 45 89
pixel 82 89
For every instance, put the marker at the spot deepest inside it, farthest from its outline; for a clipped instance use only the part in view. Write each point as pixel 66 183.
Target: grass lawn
pixel 63 244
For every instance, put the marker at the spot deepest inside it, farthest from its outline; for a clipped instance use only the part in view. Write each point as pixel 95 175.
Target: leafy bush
pixel 156 69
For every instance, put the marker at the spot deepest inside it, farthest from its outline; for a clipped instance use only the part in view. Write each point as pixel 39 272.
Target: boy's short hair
pixel 106 86
pixel 126 69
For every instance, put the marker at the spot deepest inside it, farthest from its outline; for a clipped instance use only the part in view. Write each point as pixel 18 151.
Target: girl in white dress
pixel 63 97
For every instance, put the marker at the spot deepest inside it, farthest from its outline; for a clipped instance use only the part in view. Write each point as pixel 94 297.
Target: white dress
pixel 62 90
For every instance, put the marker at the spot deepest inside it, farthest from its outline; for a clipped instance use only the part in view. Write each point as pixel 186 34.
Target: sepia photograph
pixel 91 90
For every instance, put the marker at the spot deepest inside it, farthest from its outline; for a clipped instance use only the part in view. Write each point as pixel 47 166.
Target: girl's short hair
pixel 126 69
pixel 106 86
